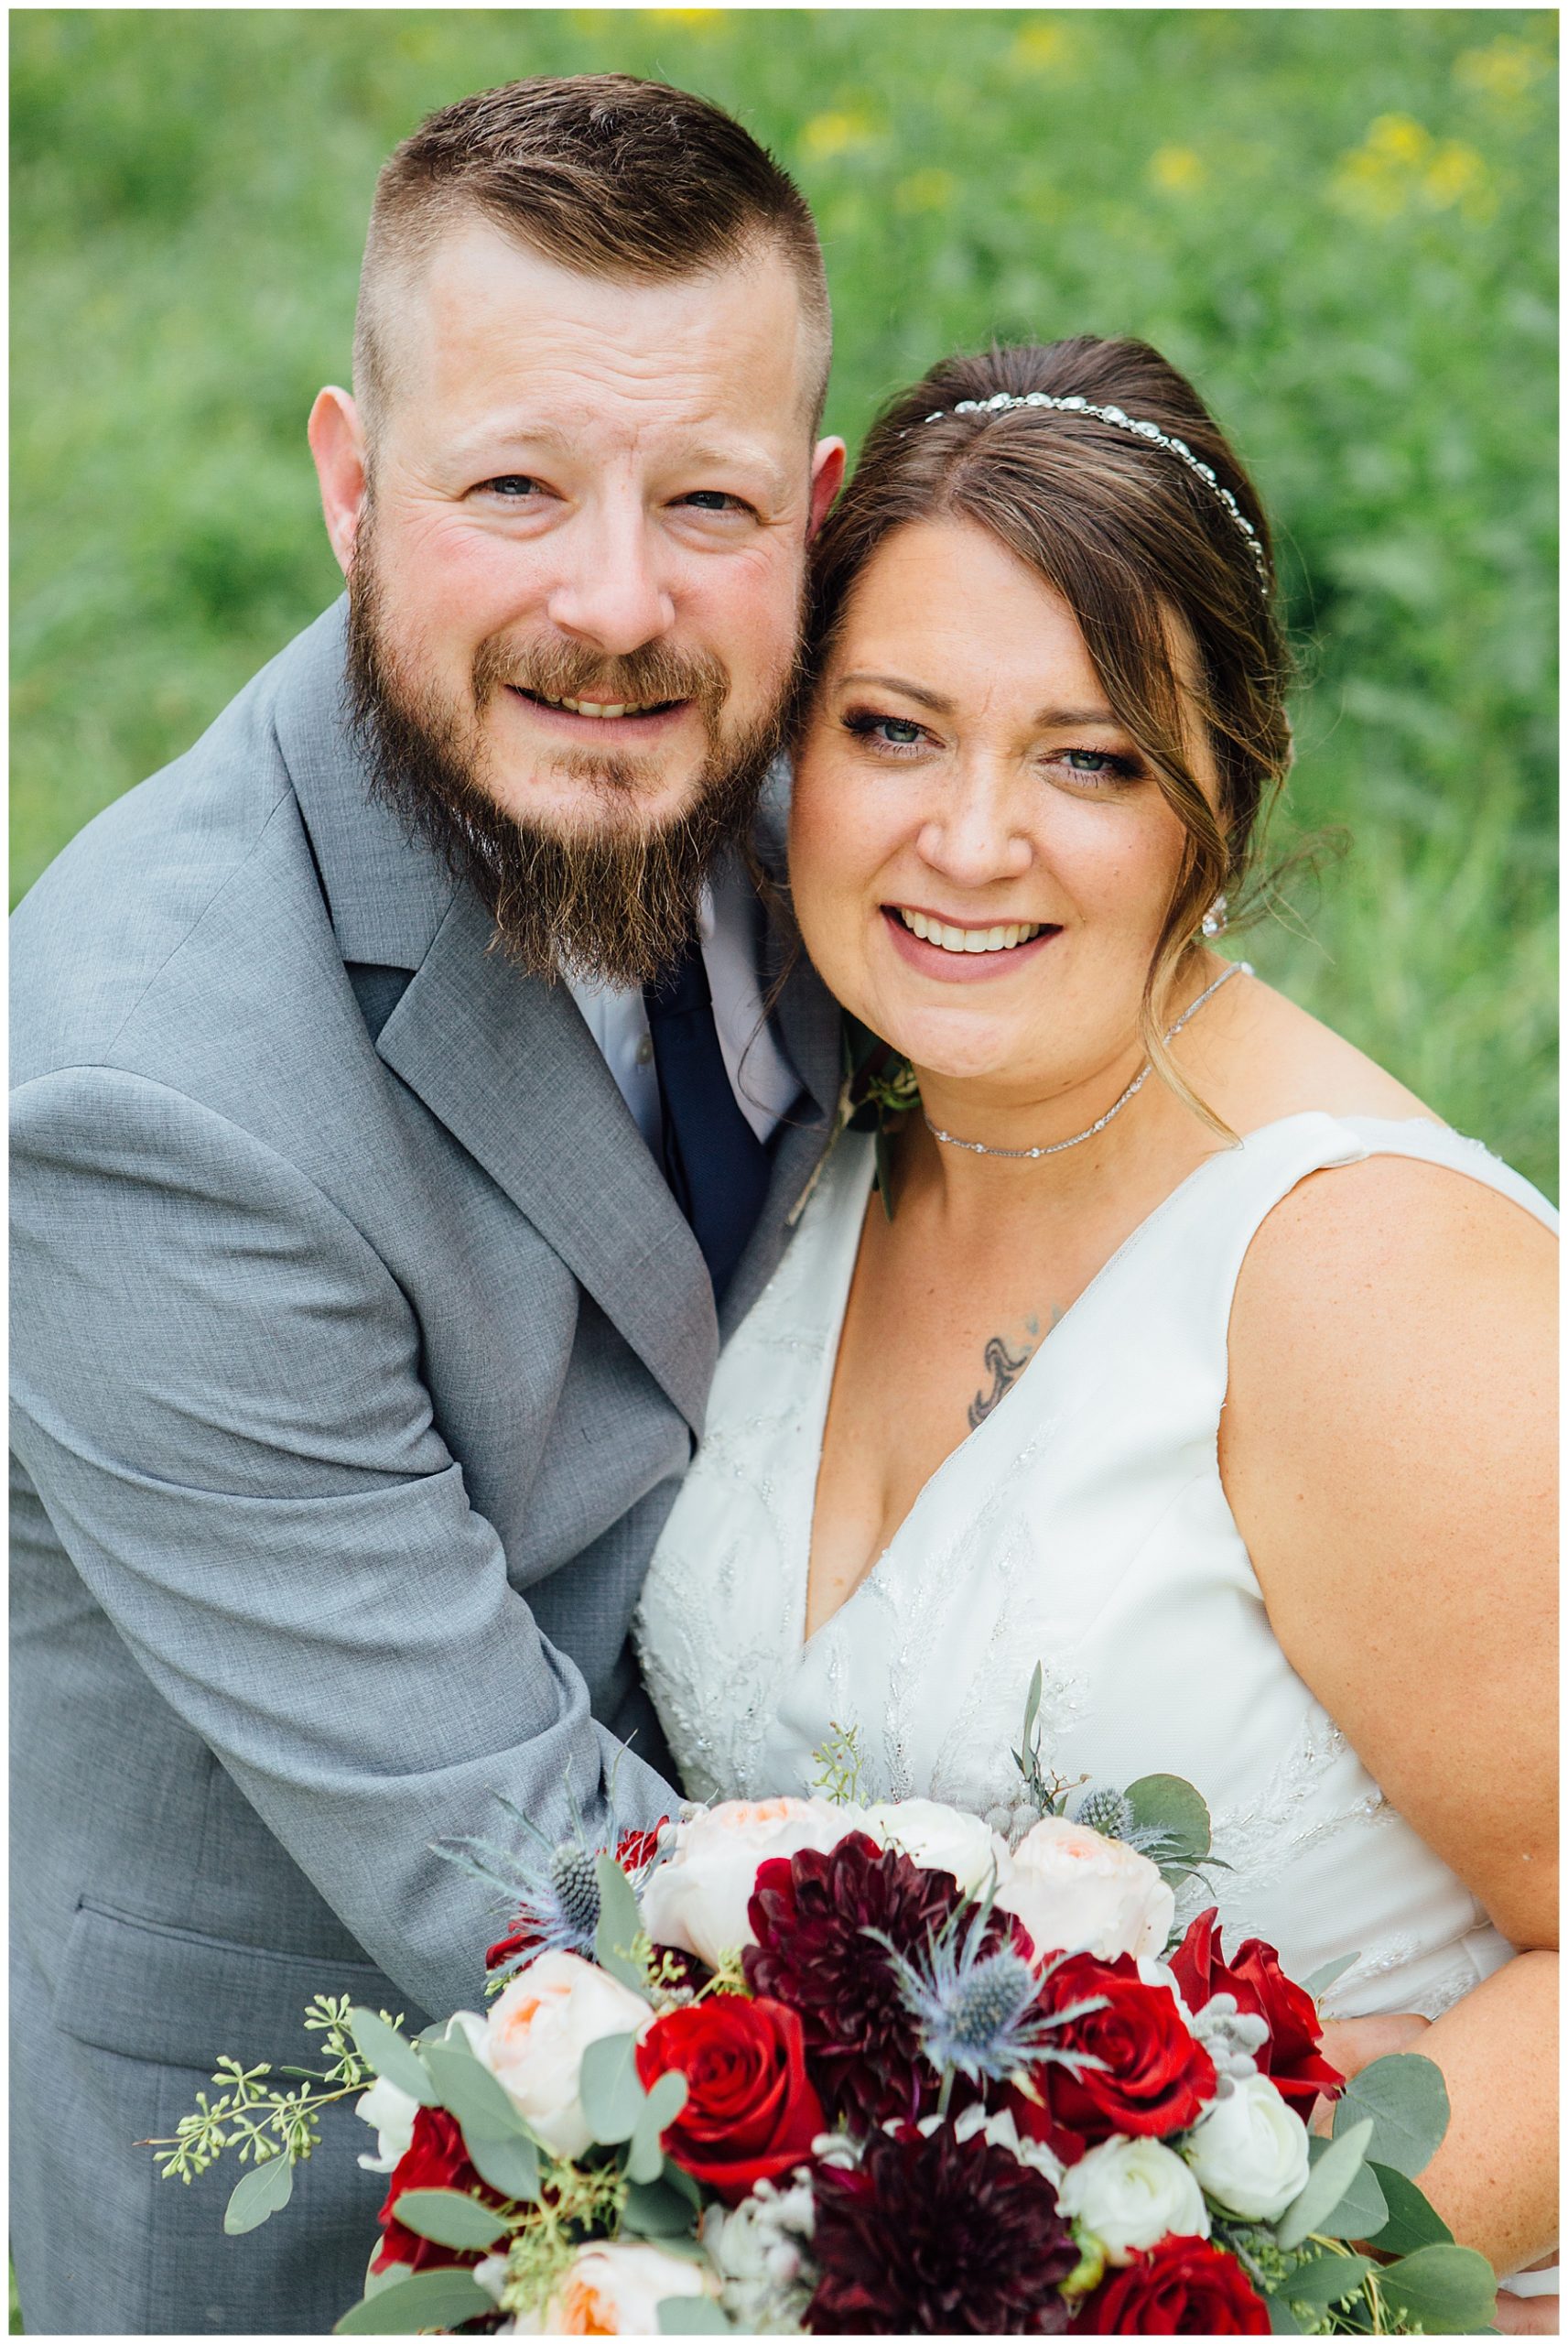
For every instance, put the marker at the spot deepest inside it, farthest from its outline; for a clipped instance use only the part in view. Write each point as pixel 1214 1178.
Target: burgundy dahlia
pixel 934 2236
pixel 810 1913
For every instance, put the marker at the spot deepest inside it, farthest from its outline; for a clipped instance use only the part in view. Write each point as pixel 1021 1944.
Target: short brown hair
pixel 1128 537
pixel 608 175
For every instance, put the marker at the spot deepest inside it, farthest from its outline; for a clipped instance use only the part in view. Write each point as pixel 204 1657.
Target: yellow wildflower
pixel 1041 47
pixel 929 190
pixel 1503 71
pixel 1177 170
pixel 841 132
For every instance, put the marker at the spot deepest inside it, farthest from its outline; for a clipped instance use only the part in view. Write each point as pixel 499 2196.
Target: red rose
pixel 1253 1975
pixel 750 2112
pixel 434 2159
pixel 1183 2288
pixel 1154 2076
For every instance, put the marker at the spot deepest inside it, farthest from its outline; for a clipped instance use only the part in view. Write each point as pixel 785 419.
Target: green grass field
pixel 1340 223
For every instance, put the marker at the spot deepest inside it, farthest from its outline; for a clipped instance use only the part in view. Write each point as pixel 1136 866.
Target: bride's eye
pixel 1089 768
pixel 887 733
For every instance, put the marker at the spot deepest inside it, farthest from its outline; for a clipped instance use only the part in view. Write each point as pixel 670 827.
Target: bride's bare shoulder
pixel 1274 1059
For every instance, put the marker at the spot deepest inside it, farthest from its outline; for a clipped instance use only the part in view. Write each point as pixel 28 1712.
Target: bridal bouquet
pixel 805 2064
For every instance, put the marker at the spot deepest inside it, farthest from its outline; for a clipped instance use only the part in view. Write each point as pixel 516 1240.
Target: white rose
pixel 1131 2194
pixel 1251 2151
pixel 1074 1891
pixel 390 2109
pixel 697 1898
pixel 534 2037
pixel 617 2291
pixel 942 1839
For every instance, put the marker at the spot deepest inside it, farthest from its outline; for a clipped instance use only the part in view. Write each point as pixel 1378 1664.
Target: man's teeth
pixel 601 707
pixel 969 940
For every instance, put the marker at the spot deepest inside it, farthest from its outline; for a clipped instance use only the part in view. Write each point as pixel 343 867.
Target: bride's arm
pixel 1388 1451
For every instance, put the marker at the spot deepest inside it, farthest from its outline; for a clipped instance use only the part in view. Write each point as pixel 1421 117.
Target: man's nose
pixel 977 832
pixel 610 592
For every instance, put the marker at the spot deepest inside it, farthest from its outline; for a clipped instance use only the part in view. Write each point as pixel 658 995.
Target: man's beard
pixel 614 899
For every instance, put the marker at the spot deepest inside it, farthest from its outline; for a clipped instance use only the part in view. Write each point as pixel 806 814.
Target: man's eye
pixel 512 485
pixel 714 500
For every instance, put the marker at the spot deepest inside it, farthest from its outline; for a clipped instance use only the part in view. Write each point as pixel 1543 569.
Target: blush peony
pixel 696 1900
pixel 1076 1892
pixel 534 2037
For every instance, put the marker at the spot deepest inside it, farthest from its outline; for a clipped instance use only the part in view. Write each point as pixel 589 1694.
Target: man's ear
pixel 337 444
pixel 827 480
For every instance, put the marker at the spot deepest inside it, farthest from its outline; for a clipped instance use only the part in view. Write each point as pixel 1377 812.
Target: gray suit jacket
pixel 358 1348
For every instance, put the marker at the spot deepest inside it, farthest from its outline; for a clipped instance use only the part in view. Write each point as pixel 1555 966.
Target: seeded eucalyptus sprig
pixel 257 2119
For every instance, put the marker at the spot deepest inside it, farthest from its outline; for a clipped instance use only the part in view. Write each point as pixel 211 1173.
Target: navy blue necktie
pixel 716 1165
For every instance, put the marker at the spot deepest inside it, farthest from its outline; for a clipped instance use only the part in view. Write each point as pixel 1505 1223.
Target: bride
pixel 1185 1352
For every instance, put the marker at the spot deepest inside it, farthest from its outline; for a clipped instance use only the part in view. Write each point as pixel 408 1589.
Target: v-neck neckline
pixel 816 1423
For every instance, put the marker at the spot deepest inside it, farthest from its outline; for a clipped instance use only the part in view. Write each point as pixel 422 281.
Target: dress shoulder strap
pixel 1198 1241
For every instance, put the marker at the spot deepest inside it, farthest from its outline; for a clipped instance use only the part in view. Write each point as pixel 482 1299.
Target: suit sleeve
pixel 219 1399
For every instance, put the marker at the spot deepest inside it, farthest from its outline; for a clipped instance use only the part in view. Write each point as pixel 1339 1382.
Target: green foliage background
pixel 1341 222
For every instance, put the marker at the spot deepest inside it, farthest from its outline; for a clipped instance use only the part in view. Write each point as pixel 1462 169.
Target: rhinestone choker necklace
pixel 978 1148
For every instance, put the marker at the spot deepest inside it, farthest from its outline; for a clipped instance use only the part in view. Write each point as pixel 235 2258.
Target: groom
pixel 398 1124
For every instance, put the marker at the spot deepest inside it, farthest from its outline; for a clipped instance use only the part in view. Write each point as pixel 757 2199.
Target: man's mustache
pixel 647 676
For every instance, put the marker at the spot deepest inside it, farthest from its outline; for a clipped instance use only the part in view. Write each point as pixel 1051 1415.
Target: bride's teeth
pixel 968 939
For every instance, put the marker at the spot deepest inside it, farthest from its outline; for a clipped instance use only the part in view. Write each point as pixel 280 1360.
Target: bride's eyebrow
pixel 932 700
pixel 1045 719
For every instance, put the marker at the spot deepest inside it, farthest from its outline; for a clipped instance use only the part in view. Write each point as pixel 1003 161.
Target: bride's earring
pixel 1216 917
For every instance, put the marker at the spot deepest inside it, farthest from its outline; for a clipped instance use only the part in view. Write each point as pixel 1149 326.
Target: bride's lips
pixel 962 968
pixel 650 724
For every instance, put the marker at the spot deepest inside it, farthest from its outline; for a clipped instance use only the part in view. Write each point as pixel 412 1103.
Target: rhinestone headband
pixel 1150 432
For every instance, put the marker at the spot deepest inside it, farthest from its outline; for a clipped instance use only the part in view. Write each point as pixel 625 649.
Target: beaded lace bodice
pixel 1081 1525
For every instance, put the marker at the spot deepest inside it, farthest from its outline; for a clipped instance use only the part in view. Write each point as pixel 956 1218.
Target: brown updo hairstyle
pixel 1131 540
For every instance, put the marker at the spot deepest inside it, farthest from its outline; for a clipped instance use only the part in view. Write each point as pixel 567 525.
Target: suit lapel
pixel 509 1067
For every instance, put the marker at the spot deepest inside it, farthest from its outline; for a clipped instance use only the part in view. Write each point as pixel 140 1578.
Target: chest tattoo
pixel 1004 1367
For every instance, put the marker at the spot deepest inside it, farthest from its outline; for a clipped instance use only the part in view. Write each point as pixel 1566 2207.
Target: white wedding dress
pixel 1081 1525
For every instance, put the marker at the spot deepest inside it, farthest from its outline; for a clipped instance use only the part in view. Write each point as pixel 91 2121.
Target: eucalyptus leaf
pixel 1165 1803
pixel 449 2217
pixel 1451 2290
pixel 1407 2101
pixel 1411 2221
pixel 1327 2279
pixel 392 2057
pixel 609 2088
pixel 1362 2211
pixel 511 2166
pixel 468 2090
pixel 656 2210
pixel 1283 2320
pixel 430 2300
pixel 1326 1974
pixel 620 1926
pixel 691 2316
pixel 1335 2168
pixel 257 2195
pixel 666 2098
pixel 1031 1706
pixel 676 2178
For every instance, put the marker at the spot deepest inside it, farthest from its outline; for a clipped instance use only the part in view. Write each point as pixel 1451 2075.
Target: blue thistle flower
pixel 550 1891
pixel 979 2012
